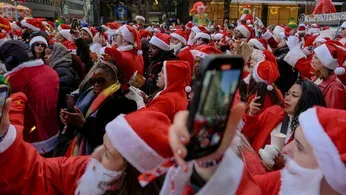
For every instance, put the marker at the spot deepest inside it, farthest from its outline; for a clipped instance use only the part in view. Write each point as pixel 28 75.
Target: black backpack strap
pixel 285 123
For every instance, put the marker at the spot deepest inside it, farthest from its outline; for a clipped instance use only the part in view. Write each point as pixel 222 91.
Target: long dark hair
pixel 247 91
pixel 128 184
pixel 32 49
pixel 311 96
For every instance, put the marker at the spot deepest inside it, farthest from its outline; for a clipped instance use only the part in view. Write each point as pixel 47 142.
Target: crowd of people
pixel 103 110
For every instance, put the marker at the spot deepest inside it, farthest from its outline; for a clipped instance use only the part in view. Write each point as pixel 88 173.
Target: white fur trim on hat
pixel 126 34
pixel 218 36
pixel 149 28
pixel 267 35
pixel 159 43
pixel 195 29
pixel 339 71
pixel 319 39
pixel 180 38
pixel 326 153
pixel 323 54
pixel 278 29
pixel 196 53
pixel 127 142
pixel 256 76
pixel 343 25
pixel 202 35
pixel 140 18
pixel 243 30
pixel 38 39
pixel 257 44
pixel 86 29
pixel 32 27
pixel 66 34
pixel 293 56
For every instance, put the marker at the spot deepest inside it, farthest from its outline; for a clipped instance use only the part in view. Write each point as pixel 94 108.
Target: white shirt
pixel 318 81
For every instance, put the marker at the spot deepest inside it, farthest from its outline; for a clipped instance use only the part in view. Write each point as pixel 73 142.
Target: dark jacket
pixel 146 55
pixel 288 74
pixel 151 75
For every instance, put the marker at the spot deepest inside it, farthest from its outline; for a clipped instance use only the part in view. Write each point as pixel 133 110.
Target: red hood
pixel 177 75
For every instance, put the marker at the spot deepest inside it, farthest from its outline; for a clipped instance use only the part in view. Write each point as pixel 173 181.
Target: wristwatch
pixel 2 137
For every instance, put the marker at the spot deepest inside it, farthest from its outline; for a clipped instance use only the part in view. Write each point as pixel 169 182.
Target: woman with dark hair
pixel 38 44
pixel 303 95
pixel 95 107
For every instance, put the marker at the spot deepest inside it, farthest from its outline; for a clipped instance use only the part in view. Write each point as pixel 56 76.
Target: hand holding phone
pixel 211 104
pixel 5 105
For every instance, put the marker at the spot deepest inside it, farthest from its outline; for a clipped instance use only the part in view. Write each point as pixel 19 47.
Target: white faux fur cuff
pixel 294 55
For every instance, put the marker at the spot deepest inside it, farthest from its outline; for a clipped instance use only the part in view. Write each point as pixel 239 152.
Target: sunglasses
pixel 100 80
pixel 40 44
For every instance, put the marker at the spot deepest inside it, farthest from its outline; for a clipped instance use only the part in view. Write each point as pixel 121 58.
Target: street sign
pixel 339 16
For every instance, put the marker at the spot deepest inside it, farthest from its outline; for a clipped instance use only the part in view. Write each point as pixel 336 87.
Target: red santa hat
pixel 140 18
pixel 180 35
pixel 314 29
pixel 5 24
pixel 86 29
pixel 131 35
pixel 301 28
pixel 161 41
pixel 143 145
pixel 266 72
pixel 112 28
pixel 204 50
pixel 246 7
pixel 260 44
pixel 177 75
pixel 278 29
pixel 197 29
pixel 325 28
pixel 64 27
pixel 202 35
pixel 332 54
pixel 71 46
pixel 33 24
pixel 245 30
pixel 321 39
pixel 144 33
pixel 325 130
pixel 310 41
pixel 189 25
pixel 196 7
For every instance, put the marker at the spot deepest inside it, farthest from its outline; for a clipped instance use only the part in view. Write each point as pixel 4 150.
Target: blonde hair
pixel 323 73
pixel 243 49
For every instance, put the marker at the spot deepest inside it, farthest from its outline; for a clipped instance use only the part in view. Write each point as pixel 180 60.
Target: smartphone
pixel 211 103
pixel 70 102
pixel 261 92
pixel 4 91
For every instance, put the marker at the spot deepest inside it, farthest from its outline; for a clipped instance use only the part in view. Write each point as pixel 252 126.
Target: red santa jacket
pixel 173 97
pixel 334 92
pixel 127 61
pixel 186 55
pixel 257 128
pixel 35 174
pixel 40 84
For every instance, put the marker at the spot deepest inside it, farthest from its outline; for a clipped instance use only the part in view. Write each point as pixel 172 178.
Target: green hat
pixel 292 24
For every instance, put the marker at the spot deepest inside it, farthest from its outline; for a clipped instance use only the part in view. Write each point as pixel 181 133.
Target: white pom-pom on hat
pixel 270 87
pixel 339 71
pixel 188 89
pixel 140 52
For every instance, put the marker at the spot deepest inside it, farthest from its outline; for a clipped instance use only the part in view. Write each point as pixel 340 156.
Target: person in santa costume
pixel 281 119
pixel 29 26
pixel 173 82
pixel 140 21
pixel 243 32
pixel 40 84
pixel 112 31
pixel 178 41
pixel 87 35
pixel 314 29
pixel 128 53
pixel 324 63
pixel 112 168
pixel 192 40
pixel 246 16
pixel 38 44
pixel 160 51
pixel 343 34
pixel 315 160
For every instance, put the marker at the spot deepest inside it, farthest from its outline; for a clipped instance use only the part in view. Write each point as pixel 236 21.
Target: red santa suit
pixel 128 58
pixel 173 97
pixel 40 84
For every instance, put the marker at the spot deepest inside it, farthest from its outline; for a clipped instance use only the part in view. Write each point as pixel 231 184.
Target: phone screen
pixel 71 102
pixel 3 97
pixel 210 119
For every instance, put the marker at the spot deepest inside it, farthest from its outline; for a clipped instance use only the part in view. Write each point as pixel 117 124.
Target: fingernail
pixel 183 139
pixel 179 152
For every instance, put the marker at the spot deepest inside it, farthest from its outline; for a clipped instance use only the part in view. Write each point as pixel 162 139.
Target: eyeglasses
pixel 100 80
pixel 40 44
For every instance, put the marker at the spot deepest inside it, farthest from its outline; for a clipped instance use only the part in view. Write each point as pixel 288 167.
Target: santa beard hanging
pixel 96 179
pixel 300 181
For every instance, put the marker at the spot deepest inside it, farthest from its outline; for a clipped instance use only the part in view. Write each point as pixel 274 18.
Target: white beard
pixel 300 181
pixel 96 179
pixel 176 47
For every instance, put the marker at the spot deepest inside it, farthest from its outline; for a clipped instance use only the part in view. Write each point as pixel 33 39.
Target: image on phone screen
pixel 219 87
